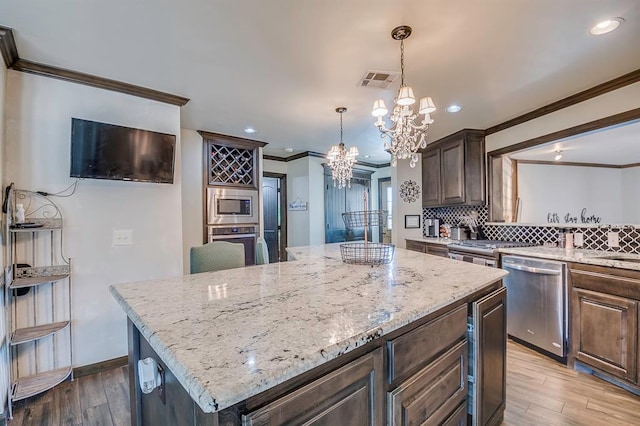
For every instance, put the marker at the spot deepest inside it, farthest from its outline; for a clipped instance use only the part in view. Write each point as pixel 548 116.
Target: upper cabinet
pixel 231 161
pixel 453 170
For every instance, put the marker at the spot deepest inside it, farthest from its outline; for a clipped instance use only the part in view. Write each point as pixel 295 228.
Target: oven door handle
pixel 531 269
pixel 230 236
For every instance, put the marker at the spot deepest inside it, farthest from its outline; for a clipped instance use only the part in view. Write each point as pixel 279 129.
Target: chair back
pixel 262 252
pixel 216 256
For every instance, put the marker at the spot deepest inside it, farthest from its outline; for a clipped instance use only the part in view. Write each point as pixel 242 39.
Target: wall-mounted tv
pixel 107 151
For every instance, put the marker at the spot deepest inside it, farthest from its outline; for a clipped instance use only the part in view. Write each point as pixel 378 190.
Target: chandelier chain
pixel 401 63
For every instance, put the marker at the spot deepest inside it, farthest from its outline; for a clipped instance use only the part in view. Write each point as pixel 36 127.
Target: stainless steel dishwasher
pixel 537 302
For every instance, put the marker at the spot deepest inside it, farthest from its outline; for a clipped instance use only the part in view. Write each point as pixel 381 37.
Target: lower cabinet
pixel 605 332
pixel 349 395
pixel 429 248
pixel 489 359
pixel 604 320
pixel 433 394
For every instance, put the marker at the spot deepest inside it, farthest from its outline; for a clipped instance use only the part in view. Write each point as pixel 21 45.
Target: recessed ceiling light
pixel 558 156
pixel 454 108
pixel 288 149
pixel 249 130
pixel 606 26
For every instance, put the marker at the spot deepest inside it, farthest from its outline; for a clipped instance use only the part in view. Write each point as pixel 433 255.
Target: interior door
pixel 271 202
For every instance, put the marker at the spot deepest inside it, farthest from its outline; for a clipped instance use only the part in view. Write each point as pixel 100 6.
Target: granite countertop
pixel 435 240
pixel 232 334
pixel 591 257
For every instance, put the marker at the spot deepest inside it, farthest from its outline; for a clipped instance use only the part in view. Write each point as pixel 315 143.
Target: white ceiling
pixel 283 66
pixel 616 145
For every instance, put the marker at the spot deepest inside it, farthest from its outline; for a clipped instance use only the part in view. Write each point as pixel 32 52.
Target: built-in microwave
pixel 231 206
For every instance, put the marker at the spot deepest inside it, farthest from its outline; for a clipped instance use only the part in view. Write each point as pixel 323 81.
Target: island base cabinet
pixel 434 395
pixel 605 332
pixel 350 396
pixel 167 405
pixel 488 358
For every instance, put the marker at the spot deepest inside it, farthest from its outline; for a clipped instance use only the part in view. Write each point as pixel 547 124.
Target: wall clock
pixel 409 191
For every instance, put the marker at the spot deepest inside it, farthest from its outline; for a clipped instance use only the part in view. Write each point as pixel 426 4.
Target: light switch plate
pixel 613 239
pixel 122 237
pixel 578 239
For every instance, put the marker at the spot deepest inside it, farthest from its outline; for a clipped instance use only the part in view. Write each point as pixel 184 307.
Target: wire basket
pixel 367 253
pixel 357 219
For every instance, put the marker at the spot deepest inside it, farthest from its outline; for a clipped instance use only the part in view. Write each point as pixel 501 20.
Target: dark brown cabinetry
pixel 415 375
pixel 489 361
pixel 230 161
pixel 453 170
pixel 434 393
pixel 429 248
pixel 345 396
pixel 604 306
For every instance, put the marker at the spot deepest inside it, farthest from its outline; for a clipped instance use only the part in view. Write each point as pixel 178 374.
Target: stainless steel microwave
pixel 231 206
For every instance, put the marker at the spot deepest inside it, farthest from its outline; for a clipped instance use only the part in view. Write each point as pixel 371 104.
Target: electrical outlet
pixel 122 237
pixel 613 239
pixel 578 239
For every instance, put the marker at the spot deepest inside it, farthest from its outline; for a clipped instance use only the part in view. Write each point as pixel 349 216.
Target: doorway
pixel 274 201
pixel 338 201
pixel 385 202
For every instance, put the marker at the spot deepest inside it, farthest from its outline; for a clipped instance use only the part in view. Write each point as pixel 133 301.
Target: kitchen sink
pixel 620 258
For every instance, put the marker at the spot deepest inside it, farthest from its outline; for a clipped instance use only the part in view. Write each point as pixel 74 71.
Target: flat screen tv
pixel 107 151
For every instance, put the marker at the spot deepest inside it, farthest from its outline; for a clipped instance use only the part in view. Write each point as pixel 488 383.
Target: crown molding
pixel 8 48
pixel 600 89
pixel 12 61
pixel 319 155
pixel 576 164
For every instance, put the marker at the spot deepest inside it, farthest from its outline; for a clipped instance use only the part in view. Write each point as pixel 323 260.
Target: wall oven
pixel 230 206
pixel 245 235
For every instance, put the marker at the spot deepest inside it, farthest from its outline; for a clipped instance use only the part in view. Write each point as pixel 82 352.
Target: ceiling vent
pixel 378 79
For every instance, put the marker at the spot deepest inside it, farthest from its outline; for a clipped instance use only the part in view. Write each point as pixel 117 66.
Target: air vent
pixel 378 79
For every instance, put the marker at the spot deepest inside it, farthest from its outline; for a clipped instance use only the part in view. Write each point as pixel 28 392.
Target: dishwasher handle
pixel 531 269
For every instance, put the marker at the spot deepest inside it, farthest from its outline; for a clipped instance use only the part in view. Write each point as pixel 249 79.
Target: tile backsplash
pixel 594 237
pixel 451 215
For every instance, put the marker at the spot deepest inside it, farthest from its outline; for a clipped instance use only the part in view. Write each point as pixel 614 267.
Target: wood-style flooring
pixel 99 399
pixel 539 392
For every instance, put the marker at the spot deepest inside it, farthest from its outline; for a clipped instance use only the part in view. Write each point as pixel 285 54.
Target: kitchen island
pixel 317 339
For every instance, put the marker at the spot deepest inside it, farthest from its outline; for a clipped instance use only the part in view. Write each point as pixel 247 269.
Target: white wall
pixel 38 118
pixel 614 102
pixel 298 222
pixel 192 192
pixel 399 175
pixel 544 188
pixel 631 195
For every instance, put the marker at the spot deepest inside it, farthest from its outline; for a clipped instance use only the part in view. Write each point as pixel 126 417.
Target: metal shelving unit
pixel 37 296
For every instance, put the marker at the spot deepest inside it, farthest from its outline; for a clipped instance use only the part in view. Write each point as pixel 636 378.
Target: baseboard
pixel 98 367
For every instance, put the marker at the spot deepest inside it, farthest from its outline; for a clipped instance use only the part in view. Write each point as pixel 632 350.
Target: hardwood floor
pixel 99 399
pixel 539 392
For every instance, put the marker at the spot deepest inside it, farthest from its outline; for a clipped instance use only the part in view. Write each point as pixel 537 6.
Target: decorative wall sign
pixel 409 191
pixel 411 221
pixel 298 205
pixel 571 218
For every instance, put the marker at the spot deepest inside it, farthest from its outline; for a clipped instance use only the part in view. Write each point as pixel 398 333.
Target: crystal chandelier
pixel 405 136
pixel 341 160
